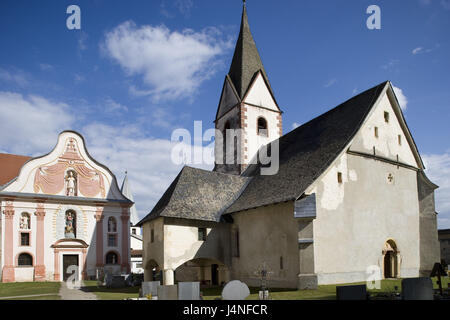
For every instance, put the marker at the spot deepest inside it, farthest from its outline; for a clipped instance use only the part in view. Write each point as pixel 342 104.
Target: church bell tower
pixel 248 115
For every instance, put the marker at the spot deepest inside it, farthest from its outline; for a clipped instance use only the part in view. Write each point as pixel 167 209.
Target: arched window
pixel 112 224
pixel 70 230
pixel 111 258
pixel 25 221
pixel 262 127
pixel 25 260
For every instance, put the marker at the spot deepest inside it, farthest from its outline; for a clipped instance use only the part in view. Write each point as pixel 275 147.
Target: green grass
pixel 324 292
pixel 104 293
pixel 28 288
pixel 52 297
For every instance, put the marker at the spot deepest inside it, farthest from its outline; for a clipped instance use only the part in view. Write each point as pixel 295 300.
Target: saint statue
pixel 70 184
pixel 24 221
pixel 69 231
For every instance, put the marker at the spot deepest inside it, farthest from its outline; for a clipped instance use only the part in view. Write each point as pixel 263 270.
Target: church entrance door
pixel 68 261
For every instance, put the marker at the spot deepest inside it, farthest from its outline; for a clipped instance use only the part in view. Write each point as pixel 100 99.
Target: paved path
pixel 29 296
pixel 75 294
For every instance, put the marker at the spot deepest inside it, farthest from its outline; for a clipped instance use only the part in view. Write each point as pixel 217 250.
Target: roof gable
pixel 48 174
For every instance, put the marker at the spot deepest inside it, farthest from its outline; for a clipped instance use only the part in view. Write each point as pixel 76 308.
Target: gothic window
pixel 339 177
pixel 25 221
pixel 376 132
pixel 24 238
pixel 386 116
pixel 112 224
pixel 262 127
pixel 111 258
pixel 281 263
pixel 71 224
pixel 25 260
pixel 71 183
pixel 399 140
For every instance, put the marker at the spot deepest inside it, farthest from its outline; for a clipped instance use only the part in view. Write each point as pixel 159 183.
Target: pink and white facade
pixel 63 215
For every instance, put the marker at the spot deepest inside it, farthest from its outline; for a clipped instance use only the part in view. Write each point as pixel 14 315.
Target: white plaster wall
pixel 181 244
pixel 260 95
pixel 24 274
pixel 356 218
pixel 255 141
pixel 386 145
pixel 153 250
pixel 135 244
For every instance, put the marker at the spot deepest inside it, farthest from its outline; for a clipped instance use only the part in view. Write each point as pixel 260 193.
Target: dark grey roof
pixel 306 152
pixel 198 194
pixel 246 60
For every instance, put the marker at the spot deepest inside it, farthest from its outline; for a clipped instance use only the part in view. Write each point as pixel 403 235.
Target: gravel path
pixel 75 294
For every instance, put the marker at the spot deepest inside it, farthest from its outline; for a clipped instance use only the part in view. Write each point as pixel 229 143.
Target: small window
pixel 339 177
pixel 133 231
pixel 262 127
pixel 399 140
pixel 111 258
pixel 386 117
pixel 281 263
pixel 25 260
pixel 376 132
pixel 201 234
pixel 152 235
pixel 237 243
pixel 24 239
pixel 112 240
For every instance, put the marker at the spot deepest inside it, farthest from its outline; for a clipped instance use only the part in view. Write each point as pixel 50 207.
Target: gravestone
pixel 189 291
pixel 235 290
pixel 357 292
pixel 117 282
pixel 417 289
pixel 168 292
pixel 150 287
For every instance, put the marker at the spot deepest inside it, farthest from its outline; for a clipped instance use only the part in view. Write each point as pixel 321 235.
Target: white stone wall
pixel 356 217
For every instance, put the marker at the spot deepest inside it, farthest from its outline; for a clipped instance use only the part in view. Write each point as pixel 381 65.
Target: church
pixel 63 216
pixel 349 195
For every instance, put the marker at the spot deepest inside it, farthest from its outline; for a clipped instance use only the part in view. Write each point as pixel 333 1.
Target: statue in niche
pixel 25 221
pixel 70 227
pixel 71 183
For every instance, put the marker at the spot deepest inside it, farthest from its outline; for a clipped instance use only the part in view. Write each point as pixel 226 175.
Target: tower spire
pixel 246 60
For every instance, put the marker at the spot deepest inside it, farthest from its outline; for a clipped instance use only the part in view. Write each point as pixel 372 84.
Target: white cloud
pixel 172 64
pixel 295 125
pixel 184 6
pixel 45 66
pixel 111 106
pixel 438 171
pixel 417 50
pixel 31 123
pixel 330 83
pixel 17 77
pixel 402 100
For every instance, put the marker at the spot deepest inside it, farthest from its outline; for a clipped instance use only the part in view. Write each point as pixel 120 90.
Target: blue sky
pixel 139 69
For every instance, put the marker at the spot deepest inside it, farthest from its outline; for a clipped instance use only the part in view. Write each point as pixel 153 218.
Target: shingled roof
pixel 10 165
pixel 306 152
pixel 246 60
pixel 198 194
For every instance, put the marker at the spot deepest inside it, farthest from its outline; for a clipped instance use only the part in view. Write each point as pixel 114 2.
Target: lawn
pixel 324 292
pixel 29 288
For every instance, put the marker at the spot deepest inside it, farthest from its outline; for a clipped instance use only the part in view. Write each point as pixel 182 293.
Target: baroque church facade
pixel 350 194
pixel 63 215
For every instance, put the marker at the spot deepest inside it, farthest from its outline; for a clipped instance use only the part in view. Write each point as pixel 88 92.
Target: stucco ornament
pixel 235 290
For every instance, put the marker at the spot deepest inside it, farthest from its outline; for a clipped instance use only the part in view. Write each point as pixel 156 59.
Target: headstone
pixel 357 292
pixel 150 287
pixel 417 289
pixel 188 290
pixel 117 282
pixel 235 290
pixel 108 280
pixel 168 292
pixel 264 295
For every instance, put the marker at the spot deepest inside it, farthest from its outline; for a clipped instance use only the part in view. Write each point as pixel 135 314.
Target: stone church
pixel 63 215
pixel 350 194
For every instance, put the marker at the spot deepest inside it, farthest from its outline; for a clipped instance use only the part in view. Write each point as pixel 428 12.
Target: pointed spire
pixel 126 191
pixel 246 60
